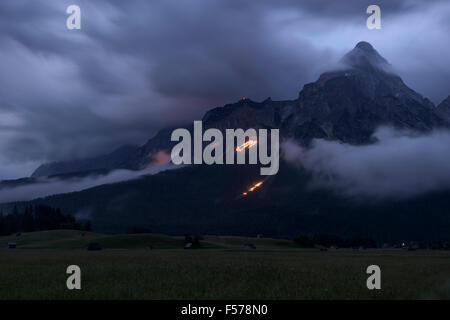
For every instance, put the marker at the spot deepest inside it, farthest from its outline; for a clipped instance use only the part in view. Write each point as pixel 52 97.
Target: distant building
pixel 12 245
pixel 250 246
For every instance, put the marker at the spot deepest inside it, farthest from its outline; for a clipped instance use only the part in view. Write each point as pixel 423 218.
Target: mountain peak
pixel 365 46
pixel 365 57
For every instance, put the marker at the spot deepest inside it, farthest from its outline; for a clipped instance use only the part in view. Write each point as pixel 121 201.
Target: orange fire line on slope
pixel 247 145
pixel 253 188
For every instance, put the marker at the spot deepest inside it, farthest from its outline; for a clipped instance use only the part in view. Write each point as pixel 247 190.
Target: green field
pixel 222 269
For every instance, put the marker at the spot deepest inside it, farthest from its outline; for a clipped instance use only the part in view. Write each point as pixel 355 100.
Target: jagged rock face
pixel 348 105
pixel 443 109
pixel 248 114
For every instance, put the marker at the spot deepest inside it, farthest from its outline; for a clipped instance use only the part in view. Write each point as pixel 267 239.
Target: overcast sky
pixel 137 66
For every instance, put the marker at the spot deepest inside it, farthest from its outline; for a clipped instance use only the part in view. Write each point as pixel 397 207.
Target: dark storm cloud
pixel 137 66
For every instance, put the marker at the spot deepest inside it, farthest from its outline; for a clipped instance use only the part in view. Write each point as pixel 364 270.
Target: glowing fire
pixel 247 145
pixel 158 158
pixel 253 188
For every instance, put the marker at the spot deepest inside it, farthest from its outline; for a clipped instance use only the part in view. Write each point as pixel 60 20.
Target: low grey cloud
pixel 137 66
pixel 51 186
pixel 401 164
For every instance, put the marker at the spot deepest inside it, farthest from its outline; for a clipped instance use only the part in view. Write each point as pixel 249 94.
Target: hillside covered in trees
pixel 38 218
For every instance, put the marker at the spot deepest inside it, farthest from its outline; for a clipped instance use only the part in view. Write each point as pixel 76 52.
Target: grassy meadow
pixel 222 269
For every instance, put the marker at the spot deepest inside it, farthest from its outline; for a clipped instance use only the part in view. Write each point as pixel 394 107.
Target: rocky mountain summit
pixel 347 104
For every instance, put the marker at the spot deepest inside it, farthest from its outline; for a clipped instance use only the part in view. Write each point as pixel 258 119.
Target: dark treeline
pixel 38 218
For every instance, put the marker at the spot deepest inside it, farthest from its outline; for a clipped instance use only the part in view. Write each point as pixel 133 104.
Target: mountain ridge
pixel 347 105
